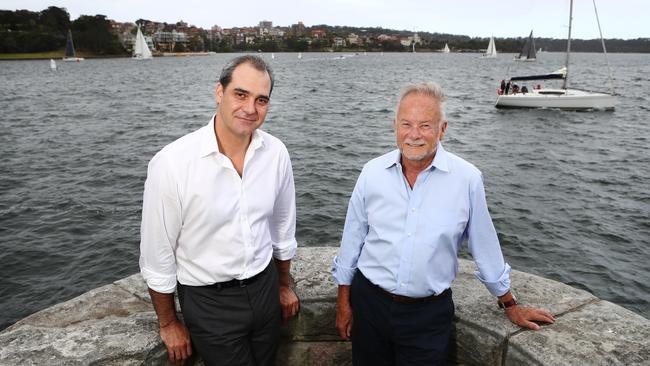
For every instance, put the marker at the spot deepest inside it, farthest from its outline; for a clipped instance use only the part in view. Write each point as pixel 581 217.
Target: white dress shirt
pixel 202 223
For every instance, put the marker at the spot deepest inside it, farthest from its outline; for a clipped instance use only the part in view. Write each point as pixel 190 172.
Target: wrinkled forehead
pixel 417 106
pixel 247 77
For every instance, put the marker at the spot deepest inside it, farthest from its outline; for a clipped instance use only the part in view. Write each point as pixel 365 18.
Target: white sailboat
pixel 299 55
pixel 446 49
pixel 70 54
pixel 52 65
pixel 141 50
pixel 528 53
pixel 491 51
pixel 564 97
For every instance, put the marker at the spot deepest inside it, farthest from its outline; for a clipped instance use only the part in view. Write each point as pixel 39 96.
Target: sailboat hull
pixel 572 99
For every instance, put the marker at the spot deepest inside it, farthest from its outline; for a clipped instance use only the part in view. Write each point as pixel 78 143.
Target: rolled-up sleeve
pixel 354 236
pixel 283 220
pixel 483 243
pixel 160 227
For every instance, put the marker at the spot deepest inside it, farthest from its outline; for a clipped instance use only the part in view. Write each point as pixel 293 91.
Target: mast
pixel 568 49
pixel 602 41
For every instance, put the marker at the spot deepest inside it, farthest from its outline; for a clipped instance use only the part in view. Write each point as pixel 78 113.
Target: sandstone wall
pixel 116 325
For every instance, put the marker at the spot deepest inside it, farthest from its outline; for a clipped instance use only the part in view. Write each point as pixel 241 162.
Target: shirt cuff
pixel 159 283
pixel 342 275
pixel 285 250
pixel 501 285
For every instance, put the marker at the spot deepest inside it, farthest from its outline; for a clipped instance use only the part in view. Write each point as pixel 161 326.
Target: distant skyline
pixel 625 19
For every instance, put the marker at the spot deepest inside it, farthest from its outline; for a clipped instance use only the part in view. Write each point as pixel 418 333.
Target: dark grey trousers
pixel 237 325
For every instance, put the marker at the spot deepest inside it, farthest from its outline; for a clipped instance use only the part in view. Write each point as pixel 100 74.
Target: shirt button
pixel 409 234
pixel 413 209
pixel 402 284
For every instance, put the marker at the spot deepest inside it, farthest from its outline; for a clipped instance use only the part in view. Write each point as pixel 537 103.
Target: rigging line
pixel 609 69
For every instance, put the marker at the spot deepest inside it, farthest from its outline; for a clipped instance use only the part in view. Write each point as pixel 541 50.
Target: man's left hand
pixel 524 316
pixel 289 302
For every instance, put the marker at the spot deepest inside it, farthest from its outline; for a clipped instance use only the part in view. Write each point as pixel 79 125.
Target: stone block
pixel 100 303
pixel 316 321
pixel 600 333
pixel 481 328
pixel 311 270
pixel 315 354
pixel 124 340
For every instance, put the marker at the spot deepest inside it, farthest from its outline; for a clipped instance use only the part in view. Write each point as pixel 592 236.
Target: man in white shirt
pixel 218 208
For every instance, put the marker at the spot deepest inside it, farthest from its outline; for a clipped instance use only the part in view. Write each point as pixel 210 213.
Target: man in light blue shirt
pixel 408 216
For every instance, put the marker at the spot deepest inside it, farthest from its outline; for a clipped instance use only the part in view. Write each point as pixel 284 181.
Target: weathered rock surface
pixel 116 325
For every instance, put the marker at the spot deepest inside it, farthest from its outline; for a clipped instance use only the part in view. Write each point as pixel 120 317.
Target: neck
pixel 415 166
pixel 412 168
pixel 229 143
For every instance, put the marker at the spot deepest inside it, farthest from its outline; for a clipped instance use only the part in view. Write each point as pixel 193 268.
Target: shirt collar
pixel 440 161
pixel 209 145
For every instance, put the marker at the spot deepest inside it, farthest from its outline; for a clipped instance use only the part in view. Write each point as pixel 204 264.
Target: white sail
pixel 491 51
pixel 52 64
pixel 70 54
pixel 141 50
pixel 446 49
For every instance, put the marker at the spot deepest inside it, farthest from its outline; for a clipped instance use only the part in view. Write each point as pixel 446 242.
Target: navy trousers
pixel 235 326
pixel 390 333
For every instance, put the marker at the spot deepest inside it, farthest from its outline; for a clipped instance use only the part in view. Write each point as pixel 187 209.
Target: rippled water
pixel 568 191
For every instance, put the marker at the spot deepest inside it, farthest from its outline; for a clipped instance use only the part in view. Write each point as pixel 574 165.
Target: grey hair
pixel 431 89
pixel 257 62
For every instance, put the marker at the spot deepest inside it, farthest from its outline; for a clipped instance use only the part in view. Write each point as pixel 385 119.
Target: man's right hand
pixel 344 313
pixel 177 340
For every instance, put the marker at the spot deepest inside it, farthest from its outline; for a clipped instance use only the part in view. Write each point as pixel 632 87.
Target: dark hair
pixel 257 62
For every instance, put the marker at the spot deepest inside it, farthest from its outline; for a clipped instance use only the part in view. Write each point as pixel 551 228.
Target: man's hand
pixel 176 338
pixel 344 313
pixel 523 316
pixel 289 302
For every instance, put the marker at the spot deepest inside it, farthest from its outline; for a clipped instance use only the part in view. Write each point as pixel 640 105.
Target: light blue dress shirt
pixel 407 240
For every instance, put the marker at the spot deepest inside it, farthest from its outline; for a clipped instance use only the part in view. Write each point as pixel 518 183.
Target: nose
pixel 414 133
pixel 249 106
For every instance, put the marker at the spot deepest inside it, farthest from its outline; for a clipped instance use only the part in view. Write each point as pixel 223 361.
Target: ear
pixel 443 129
pixel 218 93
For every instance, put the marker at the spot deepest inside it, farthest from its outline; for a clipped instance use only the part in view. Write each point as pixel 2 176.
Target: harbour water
pixel 568 191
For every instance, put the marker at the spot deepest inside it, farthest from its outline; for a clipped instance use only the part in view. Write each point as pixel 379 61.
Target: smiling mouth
pixel 249 120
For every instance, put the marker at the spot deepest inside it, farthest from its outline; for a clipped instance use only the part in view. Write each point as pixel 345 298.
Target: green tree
pixel 92 33
pixel 55 19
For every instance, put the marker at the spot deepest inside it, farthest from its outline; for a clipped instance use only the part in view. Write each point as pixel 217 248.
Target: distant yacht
pixel 491 51
pixel 141 50
pixel 52 65
pixel 446 49
pixel 528 53
pixel 70 54
pixel 299 55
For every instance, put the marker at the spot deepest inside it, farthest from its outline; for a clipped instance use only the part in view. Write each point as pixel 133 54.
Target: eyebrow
pixel 244 91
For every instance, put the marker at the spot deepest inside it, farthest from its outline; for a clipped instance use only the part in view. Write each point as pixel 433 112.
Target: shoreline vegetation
pixel 28 34
pixel 58 55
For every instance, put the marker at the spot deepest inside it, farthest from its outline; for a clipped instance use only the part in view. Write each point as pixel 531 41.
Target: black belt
pixel 237 283
pixel 406 299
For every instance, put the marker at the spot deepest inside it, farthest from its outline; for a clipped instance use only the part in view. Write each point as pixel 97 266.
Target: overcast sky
pixel 625 19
